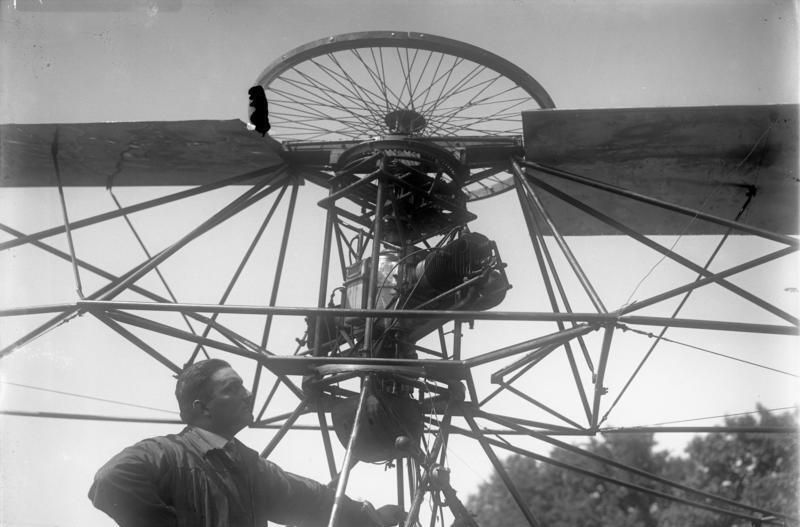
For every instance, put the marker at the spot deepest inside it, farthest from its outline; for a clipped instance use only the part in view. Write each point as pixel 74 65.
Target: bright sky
pixel 197 63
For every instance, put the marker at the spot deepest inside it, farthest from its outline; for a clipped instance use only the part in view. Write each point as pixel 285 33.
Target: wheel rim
pixel 345 87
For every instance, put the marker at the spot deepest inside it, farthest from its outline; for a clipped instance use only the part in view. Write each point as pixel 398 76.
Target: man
pixel 203 477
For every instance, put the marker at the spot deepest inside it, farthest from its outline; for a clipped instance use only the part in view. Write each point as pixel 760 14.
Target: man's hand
pixel 385 516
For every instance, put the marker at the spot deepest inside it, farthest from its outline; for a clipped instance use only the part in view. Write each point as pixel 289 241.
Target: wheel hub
pixel 405 122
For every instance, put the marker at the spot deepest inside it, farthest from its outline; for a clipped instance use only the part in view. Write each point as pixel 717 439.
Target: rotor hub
pixel 405 122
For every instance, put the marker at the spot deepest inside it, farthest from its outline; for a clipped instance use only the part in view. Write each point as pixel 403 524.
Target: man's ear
pixel 199 407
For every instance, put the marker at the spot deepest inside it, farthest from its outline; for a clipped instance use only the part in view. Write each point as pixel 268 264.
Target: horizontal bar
pixel 558 338
pixel 90 417
pixel 145 420
pixel 37 310
pixel 530 316
pixel 709 324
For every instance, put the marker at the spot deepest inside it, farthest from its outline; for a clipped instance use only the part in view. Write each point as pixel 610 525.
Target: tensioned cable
pixel 716 417
pixel 708 196
pixel 705 350
pixel 90 397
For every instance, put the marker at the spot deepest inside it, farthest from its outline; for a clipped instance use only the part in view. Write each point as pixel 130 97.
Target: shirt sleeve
pixel 127 488
pixel 296 500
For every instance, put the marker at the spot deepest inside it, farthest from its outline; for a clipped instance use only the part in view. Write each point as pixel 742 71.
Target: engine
pixel 425 259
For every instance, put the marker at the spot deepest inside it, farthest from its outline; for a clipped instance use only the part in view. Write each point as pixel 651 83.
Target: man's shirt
pixel 188 480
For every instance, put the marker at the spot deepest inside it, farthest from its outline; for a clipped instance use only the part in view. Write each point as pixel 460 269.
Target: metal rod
pixel 270 395
pixel 62 199
pixel 595 319
pixel 599 390
pixel 516 376
pixel 339 246
pixel 248 198
pixel 178 333
pixel 329 200
pixel 377 235
pixel 703 271
pixel 546 427
pixel 89 417
pixel 550 264
pixel 139 207
pixel 323 277
pixel 399 481
pixel 158 272
pixel 473 393
pixel 287 425
pixel 326 442
pixel 244 260
pixel 39 330
pixel 562 243
pixel 341 484
pixel 500 471
pixel 541 405
pixel 276 282
pixel 712 278
pixel 534 356
pixel 138 342
pixel 413 483
pixel 442 342
pixel 111 277
pixel 174 332
pixel 546 268
pixel 508 351
pixel 457 333
pixel 788 240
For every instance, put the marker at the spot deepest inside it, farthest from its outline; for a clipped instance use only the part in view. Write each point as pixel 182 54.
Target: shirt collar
pixel 210 440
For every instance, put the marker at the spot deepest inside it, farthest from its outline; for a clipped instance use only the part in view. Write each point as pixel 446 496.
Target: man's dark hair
pixel 193 384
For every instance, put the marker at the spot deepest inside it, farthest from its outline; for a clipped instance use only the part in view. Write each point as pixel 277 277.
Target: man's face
pixel 228 406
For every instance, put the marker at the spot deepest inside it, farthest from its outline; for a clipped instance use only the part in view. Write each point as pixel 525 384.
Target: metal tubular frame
pixel 140 206
pixel 116 315
pixel 276 282
pixel 377 238
pixel 158 272
pixel 109 276
pixel 298 411
pixel 126 280
pixel 242 263
pixel 548 270
pixel 661 249
pixel 344 475
pixel 562 243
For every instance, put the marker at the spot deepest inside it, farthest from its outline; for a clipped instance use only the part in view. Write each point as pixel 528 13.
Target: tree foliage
pixel 759 469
